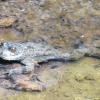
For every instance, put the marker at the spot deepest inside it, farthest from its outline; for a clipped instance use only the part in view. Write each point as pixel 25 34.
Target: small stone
pixel 6 22
pixel 89 77
pixel 45 16
pixel 79 77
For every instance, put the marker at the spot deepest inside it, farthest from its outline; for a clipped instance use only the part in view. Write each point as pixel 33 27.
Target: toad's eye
pixel 12 49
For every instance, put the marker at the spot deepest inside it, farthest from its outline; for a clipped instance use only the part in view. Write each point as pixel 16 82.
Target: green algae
pixel 80 81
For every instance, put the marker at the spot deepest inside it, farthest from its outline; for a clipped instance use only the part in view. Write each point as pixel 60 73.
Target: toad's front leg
pixel 27 67
pixel 24 83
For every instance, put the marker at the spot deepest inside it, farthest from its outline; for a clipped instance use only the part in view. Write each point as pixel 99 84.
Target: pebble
pixel 7 21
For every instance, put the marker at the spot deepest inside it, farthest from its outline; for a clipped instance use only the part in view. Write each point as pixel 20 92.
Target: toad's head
pixel 11 51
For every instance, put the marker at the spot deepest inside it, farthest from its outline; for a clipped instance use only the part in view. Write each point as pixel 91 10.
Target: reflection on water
pixel 81 81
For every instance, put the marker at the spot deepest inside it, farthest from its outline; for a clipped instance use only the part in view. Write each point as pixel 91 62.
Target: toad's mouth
pixel 10 56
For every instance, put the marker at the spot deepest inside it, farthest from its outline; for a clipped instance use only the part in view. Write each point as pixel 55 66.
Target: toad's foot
pixel 28 86
pixel 23 82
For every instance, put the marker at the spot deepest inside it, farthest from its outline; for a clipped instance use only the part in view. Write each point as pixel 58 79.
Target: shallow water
pixel 80 81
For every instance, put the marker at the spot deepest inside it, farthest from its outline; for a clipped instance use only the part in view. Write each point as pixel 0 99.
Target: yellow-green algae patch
pixel 81 81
